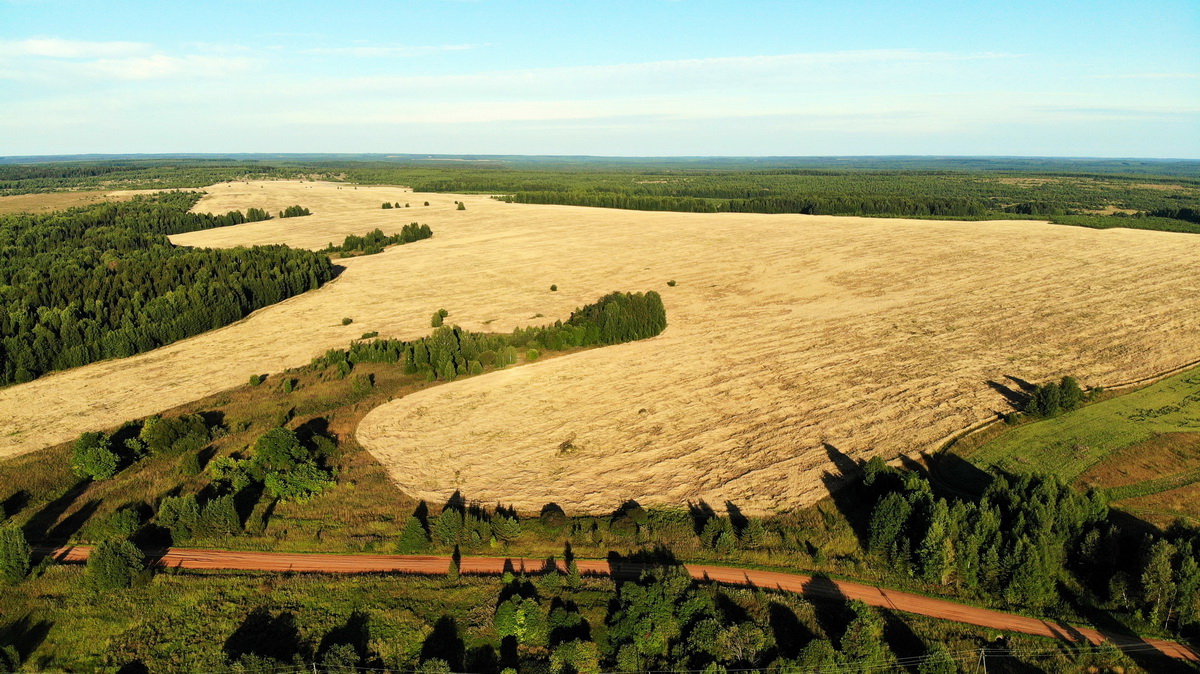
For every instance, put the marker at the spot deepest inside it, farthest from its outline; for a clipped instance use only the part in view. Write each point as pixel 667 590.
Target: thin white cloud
pixel 1150 76
pixel 71 49
pixel 399 51
pixel 158 66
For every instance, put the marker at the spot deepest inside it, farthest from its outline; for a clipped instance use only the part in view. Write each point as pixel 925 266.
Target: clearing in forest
pixel 795 344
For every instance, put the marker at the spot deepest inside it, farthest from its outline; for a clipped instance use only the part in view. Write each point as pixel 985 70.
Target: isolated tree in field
pixel 462 206
pixel 113 565
pixel 92 457
pixel 14 554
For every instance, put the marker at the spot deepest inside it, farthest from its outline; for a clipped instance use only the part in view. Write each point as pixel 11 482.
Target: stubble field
pixel 795 343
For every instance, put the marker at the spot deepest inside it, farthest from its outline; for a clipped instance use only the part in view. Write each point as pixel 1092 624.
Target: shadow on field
pixel 848 493
pixel 37 529
pixel 26 635
pixel 264 635
pixel 831 608
pixel 445 643
pixel 1014 397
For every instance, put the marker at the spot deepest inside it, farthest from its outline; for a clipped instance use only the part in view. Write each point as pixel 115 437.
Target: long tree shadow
pixel 264 635
pixel 900 638
pixel 26 635
pixel 700 513
pixel 736 518
pixel 445 643
pixel 846 489
pixel 37 529
pixel 356 632
pixel 1014 397
pixel 831 607
pixel 14 504
pixel 71 524
pixel 791 635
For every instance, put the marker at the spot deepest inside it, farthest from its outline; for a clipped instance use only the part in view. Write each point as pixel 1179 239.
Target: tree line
pixel 451 352
pixel 103 281
pixel 375 241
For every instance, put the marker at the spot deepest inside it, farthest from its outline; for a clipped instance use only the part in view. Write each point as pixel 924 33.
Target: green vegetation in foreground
pixel 1070 443
pixel 200 621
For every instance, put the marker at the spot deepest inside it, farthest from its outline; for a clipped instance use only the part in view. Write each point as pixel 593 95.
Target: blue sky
pixel 648 77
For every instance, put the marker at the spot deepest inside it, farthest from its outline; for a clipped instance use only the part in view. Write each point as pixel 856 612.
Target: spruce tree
pixel 15 554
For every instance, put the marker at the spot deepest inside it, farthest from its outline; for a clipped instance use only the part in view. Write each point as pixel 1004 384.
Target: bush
pixel 189 464
pixel 462 206
pixel 255 379
pixel 553 288
pixel 92 457
pixel 347 321
pixel 413 538
pixel 181 516
pixel 532 355
pixel 671 283
pixel 114 565
pixel 289 385
pixel 369 335
pixel 436 321
pixel 14 554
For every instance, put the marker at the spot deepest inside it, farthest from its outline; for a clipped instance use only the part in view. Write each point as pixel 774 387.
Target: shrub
pixel 114 565
pixel 14 554
pixel 553 517
pixel 505 528
pixel 671 283
pixel 180 515
pixel 119 525
pixel 462 206
pixel 475 367
pixel 255 379
pixel 387 204
pixel 92 457
pixel 220 517
pixel 289 385
pixel 347 321
pixel 189 464
pixel 369 335
pixel 436 321
pixel 532 355
pixel 553 288
pixel 426 203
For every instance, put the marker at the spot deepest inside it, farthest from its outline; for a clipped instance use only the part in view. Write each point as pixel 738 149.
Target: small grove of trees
pixel 1054 398
pixel 375 241
pixel 96 456
pixel 294 212
pixel 287 469
pixel 451 352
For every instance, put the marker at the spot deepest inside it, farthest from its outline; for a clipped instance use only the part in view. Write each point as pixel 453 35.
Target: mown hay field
pixel 795 343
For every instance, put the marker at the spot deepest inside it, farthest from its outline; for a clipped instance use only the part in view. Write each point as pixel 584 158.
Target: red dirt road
pixel 808 586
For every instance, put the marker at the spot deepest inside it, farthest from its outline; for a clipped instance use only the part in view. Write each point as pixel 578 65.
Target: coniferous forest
pixel 103 281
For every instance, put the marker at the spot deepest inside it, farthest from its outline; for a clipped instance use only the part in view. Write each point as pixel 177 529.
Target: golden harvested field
pixel 791 339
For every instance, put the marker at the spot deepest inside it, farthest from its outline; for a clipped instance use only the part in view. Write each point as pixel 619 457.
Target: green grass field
pixel 1070 444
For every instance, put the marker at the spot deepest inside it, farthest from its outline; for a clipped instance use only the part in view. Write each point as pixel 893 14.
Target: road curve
pixel 809 586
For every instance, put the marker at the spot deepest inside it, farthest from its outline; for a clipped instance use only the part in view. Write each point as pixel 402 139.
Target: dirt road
pixel 809 586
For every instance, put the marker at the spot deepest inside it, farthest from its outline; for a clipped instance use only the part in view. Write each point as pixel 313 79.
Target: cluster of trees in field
pixel 375 241
pixel 1053 398
pixel 294 212
pixel 103 281
pixel 451 352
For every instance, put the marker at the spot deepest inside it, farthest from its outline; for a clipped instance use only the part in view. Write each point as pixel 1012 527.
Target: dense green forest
pixel 103 281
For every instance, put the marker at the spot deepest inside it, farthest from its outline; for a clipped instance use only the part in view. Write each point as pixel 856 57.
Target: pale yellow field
pixel 791 338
